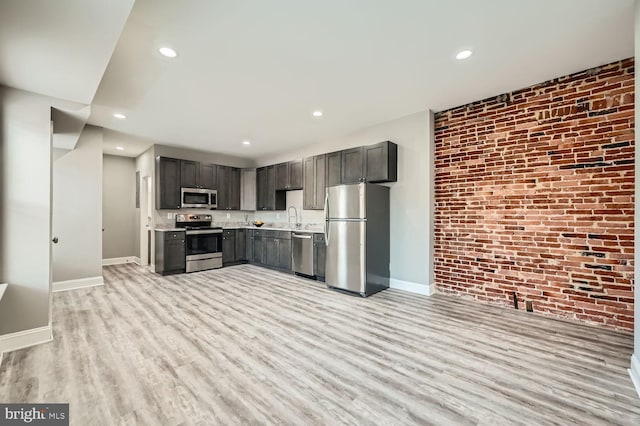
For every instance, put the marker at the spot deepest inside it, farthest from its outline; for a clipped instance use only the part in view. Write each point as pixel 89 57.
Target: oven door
pixel 203 244
pixel 195 198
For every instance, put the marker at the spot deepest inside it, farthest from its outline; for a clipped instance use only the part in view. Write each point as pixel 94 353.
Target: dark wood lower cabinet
pixel 271 252
pixel 269 248
pixel 170 252
pixel 249 245
pixel 258 252
pixel 228 246
pixel 284 253
pixel 263 247
pixel 241 243
pixel 234 246
pixel 320 253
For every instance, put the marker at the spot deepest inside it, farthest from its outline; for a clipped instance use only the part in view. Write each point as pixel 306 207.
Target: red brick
pixel 528 200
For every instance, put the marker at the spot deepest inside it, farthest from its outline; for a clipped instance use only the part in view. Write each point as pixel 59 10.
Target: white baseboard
pixel 137 261
pixel 1 356
pixel 120 260
pixel 634 372
pixel 24 339
pixel 75 284
pixel 410 287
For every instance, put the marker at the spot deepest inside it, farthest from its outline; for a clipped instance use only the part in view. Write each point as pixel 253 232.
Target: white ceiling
pixel 255 69
pixel 59 48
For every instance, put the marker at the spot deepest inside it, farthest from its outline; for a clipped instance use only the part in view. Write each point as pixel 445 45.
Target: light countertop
pixel 305 228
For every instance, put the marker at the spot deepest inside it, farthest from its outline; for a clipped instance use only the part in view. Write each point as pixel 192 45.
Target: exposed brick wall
pixel 535 194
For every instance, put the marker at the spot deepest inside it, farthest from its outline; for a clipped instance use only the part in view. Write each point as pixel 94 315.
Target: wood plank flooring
pixel 246 345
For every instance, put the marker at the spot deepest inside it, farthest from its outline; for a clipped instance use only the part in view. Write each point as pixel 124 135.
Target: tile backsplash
pixel 165 218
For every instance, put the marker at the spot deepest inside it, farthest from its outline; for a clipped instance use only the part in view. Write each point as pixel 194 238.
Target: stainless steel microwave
pixel 198 198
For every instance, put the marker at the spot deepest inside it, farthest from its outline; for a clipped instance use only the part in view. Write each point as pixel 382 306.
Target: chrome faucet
pixel 295 212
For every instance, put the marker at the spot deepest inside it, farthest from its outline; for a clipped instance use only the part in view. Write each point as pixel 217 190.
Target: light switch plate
pixel 277 215
pixel 169 215
pixel 228 215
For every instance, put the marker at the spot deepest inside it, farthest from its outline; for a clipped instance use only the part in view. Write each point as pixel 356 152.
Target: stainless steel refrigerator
pixel 357 238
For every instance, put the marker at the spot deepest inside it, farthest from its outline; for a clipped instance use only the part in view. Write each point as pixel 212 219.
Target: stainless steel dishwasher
pixel 302 253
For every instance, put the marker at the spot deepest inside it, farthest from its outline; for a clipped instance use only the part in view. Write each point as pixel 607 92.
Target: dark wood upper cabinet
pixel 314 182
pixel 228 182
pixel 271 188
pixel 267 198
pixel 371 163
pixel 223 193
pixel 198 175
pixel 168 183
pixel 189 171
pixel 381 162
pixel 295 174
pixel 282 176
pixel 207 176
pixel 352 165
pixel 261 188
pixel 233 188
pixel 308 187
pixel 334 168
pixel 289 175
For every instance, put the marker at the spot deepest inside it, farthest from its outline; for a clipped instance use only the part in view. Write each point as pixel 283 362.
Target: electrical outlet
pixel 529 305
pixel 228 215
pixel 169 215
pixel 277 215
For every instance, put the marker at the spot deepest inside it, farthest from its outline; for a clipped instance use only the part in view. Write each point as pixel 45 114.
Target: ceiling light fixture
pixel 119 116
pixel 317 114
pixel 246 143
pixel 168 52
pixel 463 54
pixel 119 148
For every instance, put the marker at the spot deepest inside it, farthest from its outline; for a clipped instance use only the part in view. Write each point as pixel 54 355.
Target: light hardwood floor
pixel 245 345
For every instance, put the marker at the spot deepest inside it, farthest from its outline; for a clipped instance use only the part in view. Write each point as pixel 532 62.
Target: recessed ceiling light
pixel 317 114
pixel 246 143
pixel 463 54
pixel 120 116
pixel 119 148
pixel 168 52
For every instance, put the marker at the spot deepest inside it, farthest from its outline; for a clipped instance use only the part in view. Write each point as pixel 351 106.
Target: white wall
pixel 118 207
pixel 77 209
pixel 25 207
pixel 411 195
pixel 145 165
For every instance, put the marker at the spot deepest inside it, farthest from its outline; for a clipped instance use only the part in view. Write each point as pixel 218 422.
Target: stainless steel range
pixel 203 247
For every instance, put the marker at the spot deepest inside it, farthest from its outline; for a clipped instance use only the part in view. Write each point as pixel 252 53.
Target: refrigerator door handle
pixel 326 218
